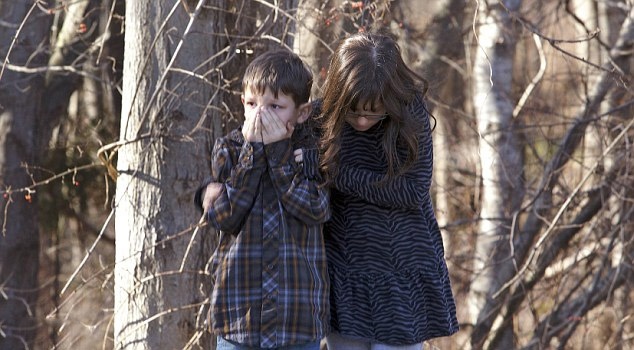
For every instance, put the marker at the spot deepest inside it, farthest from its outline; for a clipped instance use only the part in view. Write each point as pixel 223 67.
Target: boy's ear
pixel 304 112
pixel 242 98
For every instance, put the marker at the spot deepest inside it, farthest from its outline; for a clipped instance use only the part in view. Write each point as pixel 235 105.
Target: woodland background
pixel 109 109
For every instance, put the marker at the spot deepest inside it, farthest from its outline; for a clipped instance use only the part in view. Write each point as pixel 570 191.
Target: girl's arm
pixel 408 190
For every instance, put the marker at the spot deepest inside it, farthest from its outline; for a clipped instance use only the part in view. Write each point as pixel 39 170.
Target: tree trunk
pixel 586 12
pixel 20 141
pixel 159 291
pixel 314 34
pixel 501 162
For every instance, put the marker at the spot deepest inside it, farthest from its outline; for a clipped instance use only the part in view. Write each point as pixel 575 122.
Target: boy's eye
pixel 276 106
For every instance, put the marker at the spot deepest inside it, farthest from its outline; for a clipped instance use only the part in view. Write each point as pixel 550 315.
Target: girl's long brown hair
pixel 368 67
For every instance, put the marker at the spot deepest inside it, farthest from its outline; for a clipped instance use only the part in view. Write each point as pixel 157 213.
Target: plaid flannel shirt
pixel 271 285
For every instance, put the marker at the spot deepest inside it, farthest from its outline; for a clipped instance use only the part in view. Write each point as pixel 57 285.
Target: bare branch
pixel 560 158
pixel 563 208
pixel 567 316
pixel 92 248
pixel 536 79
pixel 15 38
pixel 596 200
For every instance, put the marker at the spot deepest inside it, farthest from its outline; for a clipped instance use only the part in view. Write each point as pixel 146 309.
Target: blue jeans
pixel 337 341
pixel 224 344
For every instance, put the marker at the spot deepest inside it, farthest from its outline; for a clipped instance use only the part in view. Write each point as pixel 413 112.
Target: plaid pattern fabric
pixel 271 284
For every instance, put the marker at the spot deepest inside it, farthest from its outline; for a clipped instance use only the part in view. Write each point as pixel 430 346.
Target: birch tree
pixel 586 12
pixel 501 161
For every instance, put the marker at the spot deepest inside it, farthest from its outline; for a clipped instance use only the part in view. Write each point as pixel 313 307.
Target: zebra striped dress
pixel 389 279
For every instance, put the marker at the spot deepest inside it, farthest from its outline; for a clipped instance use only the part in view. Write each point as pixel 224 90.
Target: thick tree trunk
pixel 501 162
pixel 157 295
pixel 315 33
pixel 20 141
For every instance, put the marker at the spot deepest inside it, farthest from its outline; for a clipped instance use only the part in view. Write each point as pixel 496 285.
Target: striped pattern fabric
pixel 385 254
pixel 271 283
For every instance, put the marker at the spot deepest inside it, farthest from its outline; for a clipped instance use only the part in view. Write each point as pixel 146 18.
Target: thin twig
pixel 562 209
pixel 177 50
pixel 15 38
pixel 536 79
pixel 146 62
pixel 107 29
pixel 92 248
pixel 30 189
pixel 191 242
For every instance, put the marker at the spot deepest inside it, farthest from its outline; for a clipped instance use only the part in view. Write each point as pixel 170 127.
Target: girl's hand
pixel 274 129
pixel 211 193
pixel 299 155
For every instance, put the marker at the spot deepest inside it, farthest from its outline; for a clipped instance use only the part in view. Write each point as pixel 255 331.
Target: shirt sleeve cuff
pixel 252 155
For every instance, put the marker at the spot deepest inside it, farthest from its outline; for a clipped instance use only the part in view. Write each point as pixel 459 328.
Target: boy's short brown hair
pixel 279 70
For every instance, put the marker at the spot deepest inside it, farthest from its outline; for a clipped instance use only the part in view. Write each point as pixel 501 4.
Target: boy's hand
pixel 252 127
pixel 211 193
pixel 273 129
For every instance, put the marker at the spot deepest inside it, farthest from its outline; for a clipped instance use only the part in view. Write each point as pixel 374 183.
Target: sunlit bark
pixel 501 160
pixel 157 294
pixel 588 49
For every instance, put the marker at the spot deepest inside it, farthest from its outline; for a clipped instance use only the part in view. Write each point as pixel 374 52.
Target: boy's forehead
pixel 258 89
pixel 262 91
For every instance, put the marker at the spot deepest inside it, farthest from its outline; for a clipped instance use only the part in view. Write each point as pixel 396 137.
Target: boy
pixel 271 283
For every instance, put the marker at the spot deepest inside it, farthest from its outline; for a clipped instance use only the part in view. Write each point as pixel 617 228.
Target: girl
pixel 390 287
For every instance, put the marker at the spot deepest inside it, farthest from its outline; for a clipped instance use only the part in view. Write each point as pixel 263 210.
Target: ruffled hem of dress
pixel 392 308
